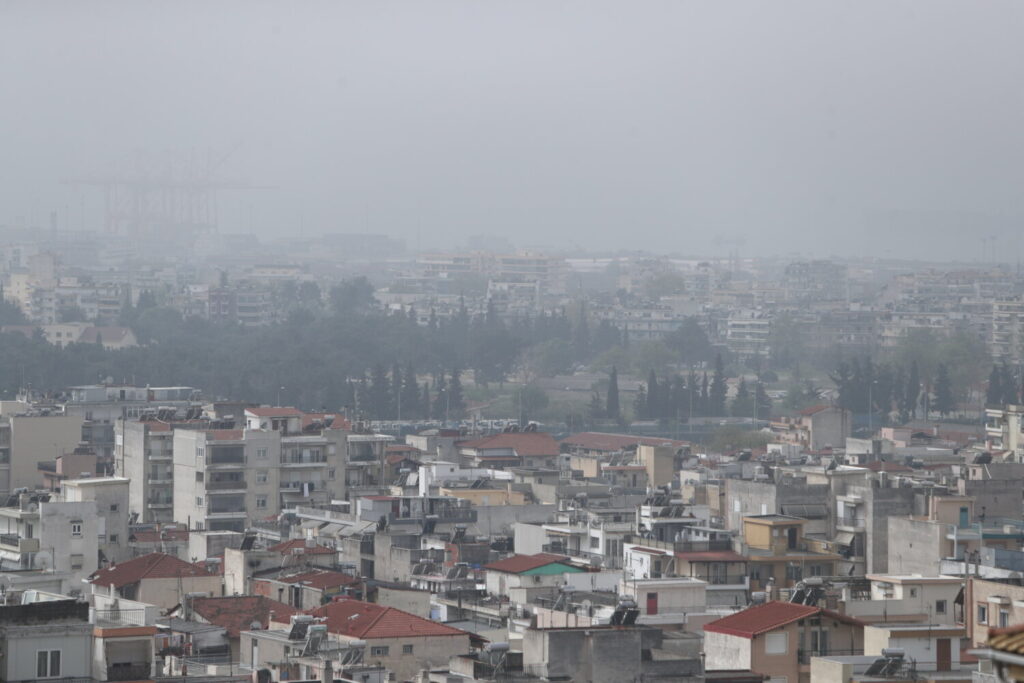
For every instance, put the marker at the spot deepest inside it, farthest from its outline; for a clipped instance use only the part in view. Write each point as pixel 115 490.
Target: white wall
pixel 722 651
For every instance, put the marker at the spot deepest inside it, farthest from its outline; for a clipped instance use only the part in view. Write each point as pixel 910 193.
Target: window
pixel 261 476
pixel 113 507
pixel 940 606
pixel 595 542
pixel 199 501
pixel 77 561
pixel 261 502
pixel 379 651
pixel 48 663
pixel 199 477
pixel 913 592
pixel 76 528
pixel 407 649
pixel 261 453
pixel 776 644
pixel 113 538
pixel 982 614
pixel 1004 618
pixel 330 473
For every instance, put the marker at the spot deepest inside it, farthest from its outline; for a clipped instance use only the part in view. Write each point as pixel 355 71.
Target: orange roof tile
pixel 151 566
pixel 368 621
pixel 754 621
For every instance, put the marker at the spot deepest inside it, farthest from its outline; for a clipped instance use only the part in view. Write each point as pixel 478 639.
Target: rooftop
pixel 238 613
pixel 754 621
pixel 151 566
pixel 366 620
pixel 517 564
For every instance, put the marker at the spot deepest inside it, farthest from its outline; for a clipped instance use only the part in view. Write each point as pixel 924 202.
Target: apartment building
pixel 28 438
pixel 145 455
pixel 224 477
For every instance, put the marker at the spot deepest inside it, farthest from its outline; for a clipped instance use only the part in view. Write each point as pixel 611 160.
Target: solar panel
pixel 876 667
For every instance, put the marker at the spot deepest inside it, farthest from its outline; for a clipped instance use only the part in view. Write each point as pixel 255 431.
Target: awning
pixel 844 538
pixel 332 529
pixel 312 524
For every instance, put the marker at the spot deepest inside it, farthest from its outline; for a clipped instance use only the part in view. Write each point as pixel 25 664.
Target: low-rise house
pixel 501 451
pixel 665 602
pixel 778 639
pixel 158 579
pixel 523 578
pixel 46 640
pixel 306 589
pixel 395 640
pixel 235 614
pixel 779 555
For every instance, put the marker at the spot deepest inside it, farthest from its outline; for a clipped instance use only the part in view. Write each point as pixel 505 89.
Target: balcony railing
pixel 702 546
pixel 805 655
pixel 120 617
pixel 128 672
pixel 226 459
pixel 226 485
pixel 725 579
pixel 19 544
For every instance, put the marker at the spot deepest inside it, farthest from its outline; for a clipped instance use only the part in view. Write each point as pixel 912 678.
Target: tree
pixel 596 410
pixel 379 393
pixel 410 394
pixel 612 411
pixel 994 393
pixel 716 397
pixel 456 401
pixel 690 343
pixel 653 403
pixel 640 404
pixel 352 296
pixel 913 394
pixel 944 402
pixel 742 404
pixel 762 402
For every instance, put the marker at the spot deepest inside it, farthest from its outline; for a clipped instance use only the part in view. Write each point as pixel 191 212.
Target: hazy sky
pixel 811 126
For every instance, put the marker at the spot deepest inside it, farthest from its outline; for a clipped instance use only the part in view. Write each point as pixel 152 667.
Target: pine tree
pixel 944 402
pixel 1008 383
pixel 653 396
pixel 705 399
pixel 379 394
pixel 440 410
pixel 913 393
pixel 763 402
pixel 612 411
pixel 410 394
pixel 994 395
pixel 742 405
pixel 640 408
pixel 426 404
pixel 395 395
pixel 716 397
pixel 456 401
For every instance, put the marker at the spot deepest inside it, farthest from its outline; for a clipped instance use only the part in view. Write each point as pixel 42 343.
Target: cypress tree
pixel 612 411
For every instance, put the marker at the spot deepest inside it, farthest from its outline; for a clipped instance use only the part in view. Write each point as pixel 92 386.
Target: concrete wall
pixel 166 593
pixel 39 439
pixel 111 497
pixel 916 546
pixel 529 538
pixel 603 656
pixel 427 653
pixel 723 651
pixel 60 548
pixel 74 642
pixel 412 601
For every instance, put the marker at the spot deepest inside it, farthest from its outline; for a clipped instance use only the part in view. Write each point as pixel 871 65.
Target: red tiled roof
pixel 712 556
pixel 597 441
pixel 807 412
pixel 524 444
pixel 517 564
pixel 156 536
pixel 368 621
pixel 760 619
pixel 272 411
pixel 321 579
pixel 238 612
pixel 225 434
pixel 151 566
pixel 286 548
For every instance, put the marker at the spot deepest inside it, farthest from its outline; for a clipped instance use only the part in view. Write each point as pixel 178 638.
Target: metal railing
pixel 702 546
pixel 805 655
pixel 225 484
pixel 120 617
pixel 128 672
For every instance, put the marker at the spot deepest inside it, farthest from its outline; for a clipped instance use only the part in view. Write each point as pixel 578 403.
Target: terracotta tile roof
pixel 517 564
pixel 237 613
pixel 523 444
pixel 1007 639
pixel 807 412
pixel 151 566
pixel 286 548
pixel 598 441
pixel 271 411
pixel 225 434
pixel 156 536
pixel 368 621
pixel 754 621
pixel 321 579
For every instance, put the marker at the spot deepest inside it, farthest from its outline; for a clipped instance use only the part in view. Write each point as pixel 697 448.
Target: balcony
pixel 304 461
pixel 850 523
pixel 226 485
pixel 725 579
pixel 160 481
pixel 233 456
pixel 114 618
pixel 160 503
pixel 805 655
pixel 19 544
pixel 129 672
pixel 701 546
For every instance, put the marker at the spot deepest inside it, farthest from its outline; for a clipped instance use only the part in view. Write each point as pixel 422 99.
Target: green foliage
pixel 734 438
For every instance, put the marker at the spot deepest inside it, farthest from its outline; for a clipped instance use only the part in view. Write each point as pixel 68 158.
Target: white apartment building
pixel 144 453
